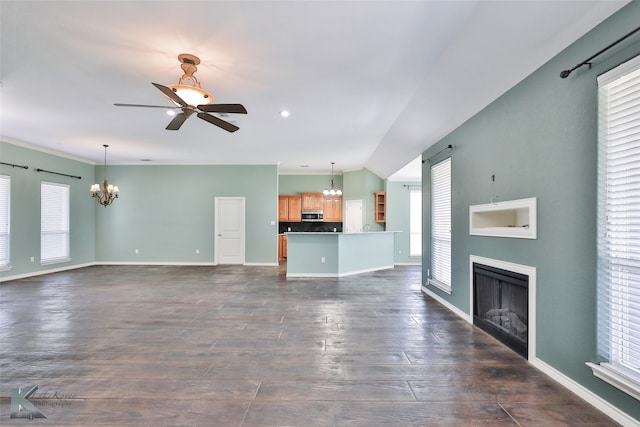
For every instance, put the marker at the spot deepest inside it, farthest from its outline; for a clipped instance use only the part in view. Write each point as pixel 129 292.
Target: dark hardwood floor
pixel 243 346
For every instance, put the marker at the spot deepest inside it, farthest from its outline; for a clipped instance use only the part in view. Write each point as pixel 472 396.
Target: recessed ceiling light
pixel 284 113
pixel 171 113
pixel 304 166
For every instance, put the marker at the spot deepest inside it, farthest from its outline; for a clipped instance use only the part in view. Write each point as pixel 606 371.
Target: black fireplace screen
pixel 501 305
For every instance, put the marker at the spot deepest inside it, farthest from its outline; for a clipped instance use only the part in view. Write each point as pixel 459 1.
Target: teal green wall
pixel 305 253
pixel 539 139
pixel 398 218
pixel 25 207
pixel 167 213
pixel 296 184
pixel 360 185
pixel 343 254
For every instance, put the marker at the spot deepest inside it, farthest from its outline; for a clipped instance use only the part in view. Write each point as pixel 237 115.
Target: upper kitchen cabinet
pixel 332 207
pixel 312 201
pixel 289 208
pixel 380 207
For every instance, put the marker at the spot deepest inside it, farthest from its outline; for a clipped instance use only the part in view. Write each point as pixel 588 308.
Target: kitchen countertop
pixel 339 232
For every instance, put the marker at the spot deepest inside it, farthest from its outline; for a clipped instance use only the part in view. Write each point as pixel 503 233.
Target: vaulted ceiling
pixel 368 83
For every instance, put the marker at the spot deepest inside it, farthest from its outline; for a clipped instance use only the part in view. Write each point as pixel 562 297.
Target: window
pixel 619 228
pixel 54 222
pixel 441 225
pixel 5 198
pixel 415 223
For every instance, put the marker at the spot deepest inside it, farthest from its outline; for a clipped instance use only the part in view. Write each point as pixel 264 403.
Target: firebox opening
pixel 501 306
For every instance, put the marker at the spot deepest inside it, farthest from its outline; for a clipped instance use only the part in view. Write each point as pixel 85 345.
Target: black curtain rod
pixel 565 73
pixel 14 166
pixel 58 173
pixel 448 147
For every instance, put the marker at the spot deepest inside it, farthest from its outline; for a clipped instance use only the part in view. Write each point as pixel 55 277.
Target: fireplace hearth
pixel 501 306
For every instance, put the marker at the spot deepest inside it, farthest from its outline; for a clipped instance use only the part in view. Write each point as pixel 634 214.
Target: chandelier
pixel 333 191
pixel 109 192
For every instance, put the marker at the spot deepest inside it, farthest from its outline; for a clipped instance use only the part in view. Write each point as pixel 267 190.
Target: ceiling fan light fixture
pixel 192 95
pixel 190 98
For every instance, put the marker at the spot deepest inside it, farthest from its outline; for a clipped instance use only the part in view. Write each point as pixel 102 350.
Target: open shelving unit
pixel 380 214
pixel 514 218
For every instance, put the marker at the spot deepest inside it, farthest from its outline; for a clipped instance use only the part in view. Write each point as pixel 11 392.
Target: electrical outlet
pixel 33 259
pixel 322 260
pixel 400 251
pixel 136 252
pixel 197 251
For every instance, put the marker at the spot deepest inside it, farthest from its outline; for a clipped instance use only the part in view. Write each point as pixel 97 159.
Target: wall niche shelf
pixel 513 218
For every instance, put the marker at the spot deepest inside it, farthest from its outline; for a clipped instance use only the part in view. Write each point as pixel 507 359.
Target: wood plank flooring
pixel 243 346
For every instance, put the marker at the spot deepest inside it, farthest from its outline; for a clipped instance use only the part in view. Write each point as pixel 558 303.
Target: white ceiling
pixel 368 83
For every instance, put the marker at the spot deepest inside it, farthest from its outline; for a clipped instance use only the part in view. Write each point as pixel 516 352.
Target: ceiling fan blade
pixel 166 107
pixel 223 108
pixel 218 122
pixel 177 121
pixel 171 94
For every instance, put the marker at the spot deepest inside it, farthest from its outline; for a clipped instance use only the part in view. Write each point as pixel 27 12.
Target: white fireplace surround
pixel 517 268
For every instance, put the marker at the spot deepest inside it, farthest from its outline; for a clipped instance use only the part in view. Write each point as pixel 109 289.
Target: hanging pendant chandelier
pixel 332 191
pixel 109 192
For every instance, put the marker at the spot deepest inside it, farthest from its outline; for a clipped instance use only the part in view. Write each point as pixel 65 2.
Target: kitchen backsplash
pixel 318 227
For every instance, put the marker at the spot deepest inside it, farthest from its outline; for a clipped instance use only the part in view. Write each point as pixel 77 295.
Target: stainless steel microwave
pixel 312 216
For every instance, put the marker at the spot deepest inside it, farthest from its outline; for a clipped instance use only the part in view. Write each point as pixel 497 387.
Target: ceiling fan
pixel 192 99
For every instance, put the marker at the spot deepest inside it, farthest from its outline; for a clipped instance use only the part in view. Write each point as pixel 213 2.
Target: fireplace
pixel 501 305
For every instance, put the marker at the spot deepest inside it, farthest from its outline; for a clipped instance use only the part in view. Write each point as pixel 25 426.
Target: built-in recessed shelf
pixel 514 218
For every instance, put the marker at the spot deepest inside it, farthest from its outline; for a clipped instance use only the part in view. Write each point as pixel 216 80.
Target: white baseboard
pixel 206 264
pixel 586 394
pixel 47 271
pixel 344 274
pixel 89 264
pixel 447 304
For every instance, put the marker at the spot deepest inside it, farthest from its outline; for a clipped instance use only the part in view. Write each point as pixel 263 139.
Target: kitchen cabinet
pixel 282 247
pixel 289 208
pixel 380 206
pixel 332 207
pixel 312 201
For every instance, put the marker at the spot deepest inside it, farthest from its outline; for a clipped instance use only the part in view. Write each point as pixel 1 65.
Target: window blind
pixel 5 199
pixel 415 223
pixel 619 222
pixel 54 222
pixel 441 224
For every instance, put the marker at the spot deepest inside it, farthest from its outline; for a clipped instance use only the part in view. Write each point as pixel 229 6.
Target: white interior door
pixel 229 244
pixel 353 216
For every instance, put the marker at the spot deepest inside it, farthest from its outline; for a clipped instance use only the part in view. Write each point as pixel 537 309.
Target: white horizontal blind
pixel 619 219
pixel 441 224
pixel 415 223
pixel 5 199
pixel 54 222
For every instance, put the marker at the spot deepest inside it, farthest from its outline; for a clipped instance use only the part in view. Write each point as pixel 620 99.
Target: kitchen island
pixel 338 254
